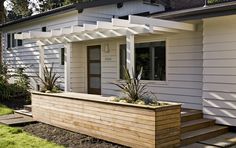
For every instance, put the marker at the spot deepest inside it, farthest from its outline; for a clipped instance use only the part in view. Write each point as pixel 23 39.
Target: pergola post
pixel 67 67
pixel 41 60
pixel 130 56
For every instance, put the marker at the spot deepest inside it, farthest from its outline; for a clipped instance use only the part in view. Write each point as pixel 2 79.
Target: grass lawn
pixel 16 138
pixel 5 110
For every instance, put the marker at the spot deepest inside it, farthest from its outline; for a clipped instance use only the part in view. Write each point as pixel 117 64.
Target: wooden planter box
pixel 122 123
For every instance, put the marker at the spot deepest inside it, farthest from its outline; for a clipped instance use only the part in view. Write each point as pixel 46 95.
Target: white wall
pixel 184 67
pixel 219 73
pixel 28 55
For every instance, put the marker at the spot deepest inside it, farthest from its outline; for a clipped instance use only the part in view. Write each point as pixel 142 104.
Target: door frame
pixel 93 91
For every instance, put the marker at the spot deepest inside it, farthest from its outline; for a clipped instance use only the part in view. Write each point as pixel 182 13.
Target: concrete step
pixel 202 134
pixel 196 125
pixel 23 112
pixel 28 108
pixel 189 115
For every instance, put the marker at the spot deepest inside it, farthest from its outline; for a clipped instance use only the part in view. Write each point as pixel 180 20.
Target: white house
pixel 188 55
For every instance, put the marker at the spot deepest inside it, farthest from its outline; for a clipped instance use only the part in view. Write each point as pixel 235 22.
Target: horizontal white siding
pixel 29 54
pixel 219 73
pixel 184 69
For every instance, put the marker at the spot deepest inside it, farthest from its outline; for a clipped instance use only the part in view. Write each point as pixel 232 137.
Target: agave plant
pixel 132 87
pixel 49 78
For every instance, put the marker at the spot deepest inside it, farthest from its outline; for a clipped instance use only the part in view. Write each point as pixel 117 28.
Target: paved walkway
pixel 15 119
pixel 224 141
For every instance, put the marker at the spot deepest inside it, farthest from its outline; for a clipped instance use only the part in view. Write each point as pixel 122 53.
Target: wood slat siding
pixel 123 124
pixel 219 74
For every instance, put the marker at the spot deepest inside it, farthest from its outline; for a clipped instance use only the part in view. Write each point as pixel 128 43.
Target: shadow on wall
pixel 220 106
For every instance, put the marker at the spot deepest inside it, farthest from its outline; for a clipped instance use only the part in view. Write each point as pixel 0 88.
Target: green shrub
pixel 132 86
pixel 49 79
pixel 135 91
pixel 16 90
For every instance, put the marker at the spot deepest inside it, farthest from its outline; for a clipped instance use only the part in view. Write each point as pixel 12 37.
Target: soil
pixel 67 138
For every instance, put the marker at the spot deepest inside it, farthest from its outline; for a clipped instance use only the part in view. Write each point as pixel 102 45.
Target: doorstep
pixel 223 141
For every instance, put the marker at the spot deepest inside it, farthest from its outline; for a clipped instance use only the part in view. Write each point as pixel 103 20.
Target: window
pixel 151 56
pixel 44 29
pixel 8 40
pixel 19 42
pixel 122 60
pixel 62 56
pixel 12 42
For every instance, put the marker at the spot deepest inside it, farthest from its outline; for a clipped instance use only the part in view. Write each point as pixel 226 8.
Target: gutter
pixel 227 8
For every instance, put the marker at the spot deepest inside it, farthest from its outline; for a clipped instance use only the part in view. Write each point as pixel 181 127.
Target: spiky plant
pixel 132 87
pixel 49 78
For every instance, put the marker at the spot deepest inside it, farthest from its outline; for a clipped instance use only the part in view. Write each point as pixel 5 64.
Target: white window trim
pixel 150 82
pixel 11 42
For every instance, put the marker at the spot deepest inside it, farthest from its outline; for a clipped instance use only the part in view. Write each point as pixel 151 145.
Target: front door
pixel 94 69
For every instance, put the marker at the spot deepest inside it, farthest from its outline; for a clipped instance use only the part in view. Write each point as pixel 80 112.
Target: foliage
pixel 17 138
pixel 132 87
pixel 3 74
pixel 9 91
pixel 135 91
pixel 4 110
pixel 19 9
pixel 23 79
pixel 49 79
pixel 46 5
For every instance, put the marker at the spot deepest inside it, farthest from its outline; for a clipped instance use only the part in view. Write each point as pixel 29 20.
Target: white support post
pixel 41 60
pixel 130 56
pixel 67 66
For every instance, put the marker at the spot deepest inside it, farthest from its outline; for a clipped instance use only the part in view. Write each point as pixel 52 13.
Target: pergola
pixel 116 28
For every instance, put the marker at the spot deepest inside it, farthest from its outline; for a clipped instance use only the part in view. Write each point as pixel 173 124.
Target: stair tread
pixel 194 122
pixel 187 113
pixel 23 112
pixel 202 131
pixel 27 105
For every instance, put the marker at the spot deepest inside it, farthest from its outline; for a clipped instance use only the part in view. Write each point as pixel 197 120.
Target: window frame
pixel 154 82
pixel 13 42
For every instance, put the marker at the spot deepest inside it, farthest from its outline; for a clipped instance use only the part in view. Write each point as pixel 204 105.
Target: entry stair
pixel 195 128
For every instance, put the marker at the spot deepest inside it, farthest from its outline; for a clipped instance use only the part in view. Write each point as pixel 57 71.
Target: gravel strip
pixel 67 138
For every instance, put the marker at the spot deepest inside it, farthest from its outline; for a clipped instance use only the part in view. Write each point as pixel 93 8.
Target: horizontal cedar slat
pixel 127 125
pixel 99 120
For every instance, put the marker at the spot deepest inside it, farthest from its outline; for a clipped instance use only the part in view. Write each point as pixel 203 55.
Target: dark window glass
pixel 122 60
pixel 19 42
pixel 8 40
pixel 13 40
pixel 62 56
pixel 44 29
pixel 150 56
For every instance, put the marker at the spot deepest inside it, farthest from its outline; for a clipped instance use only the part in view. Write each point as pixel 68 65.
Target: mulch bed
pixel 67 138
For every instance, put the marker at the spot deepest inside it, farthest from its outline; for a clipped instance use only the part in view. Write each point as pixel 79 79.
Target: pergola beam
pixel 115 28
pixel 161 23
